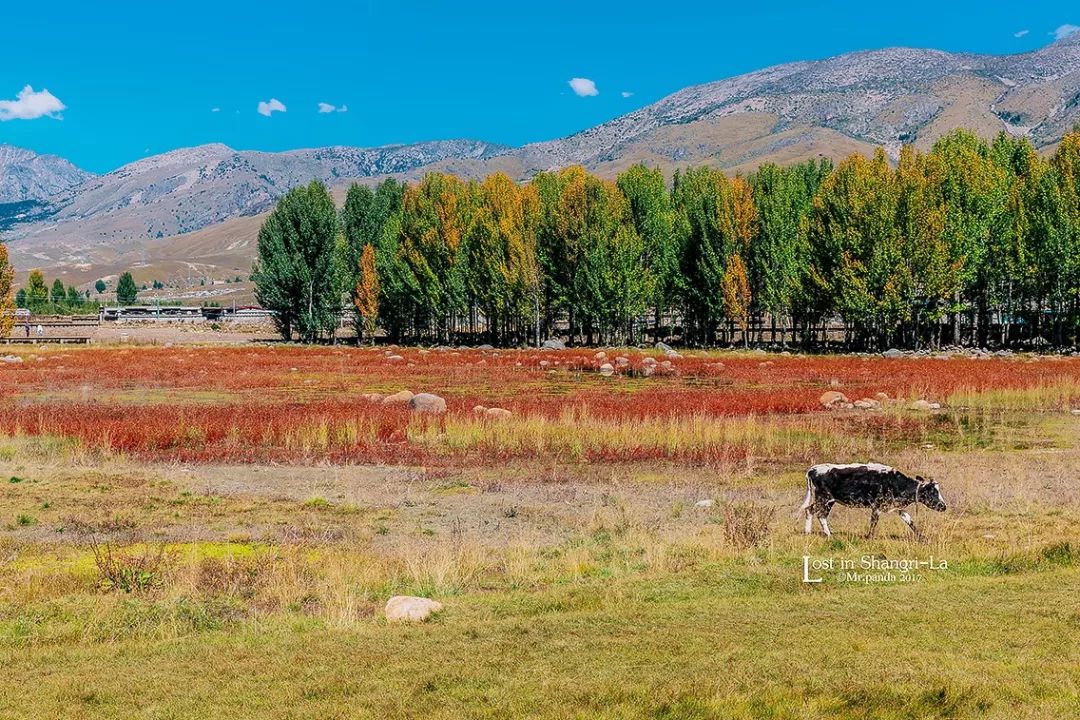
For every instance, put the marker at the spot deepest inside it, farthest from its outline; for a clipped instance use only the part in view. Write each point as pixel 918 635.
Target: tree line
pixel 41 298
pixel 972 242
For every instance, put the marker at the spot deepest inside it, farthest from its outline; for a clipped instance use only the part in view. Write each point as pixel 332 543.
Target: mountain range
pixel 195 211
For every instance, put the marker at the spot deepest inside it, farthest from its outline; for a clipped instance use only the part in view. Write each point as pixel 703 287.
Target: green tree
pixel 778 263
pixel 652 216
pixel 37 292
pixel 126 290
pixel 74 297
pixel 100 286
pixel 297 272
pixel 857 262
pixel 435 215
pixel 59 292
pixel 973 191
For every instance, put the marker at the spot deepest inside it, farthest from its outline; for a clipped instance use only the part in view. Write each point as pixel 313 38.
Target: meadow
pixel 213 531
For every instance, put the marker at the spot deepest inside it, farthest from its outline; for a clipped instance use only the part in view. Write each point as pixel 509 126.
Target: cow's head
pixel 930 494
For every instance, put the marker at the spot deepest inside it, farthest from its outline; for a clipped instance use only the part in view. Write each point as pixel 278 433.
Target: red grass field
pixel 288 403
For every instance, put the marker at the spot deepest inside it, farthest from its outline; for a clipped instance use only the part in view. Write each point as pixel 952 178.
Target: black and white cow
pixel 869 485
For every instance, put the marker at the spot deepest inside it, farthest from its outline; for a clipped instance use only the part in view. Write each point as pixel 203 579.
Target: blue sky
pixel 142 78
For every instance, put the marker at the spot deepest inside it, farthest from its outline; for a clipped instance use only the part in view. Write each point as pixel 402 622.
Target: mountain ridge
pixel 828 107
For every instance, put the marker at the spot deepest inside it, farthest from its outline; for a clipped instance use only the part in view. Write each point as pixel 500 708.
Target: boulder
pixel 498 414
pixel 553 344
pixel 866 404
pixel 622 361
pixel 399 398
pixel 924 405
pixel 12 359
pixel 881 397
pixel 664 347
pixel 832 399
pixel 427 403
pixel 485 347
pixel 649 361
pixel 893 353
pixel 600 355
pixel 407 608
pixel 607 370
pixel 394 358
pixel 479 409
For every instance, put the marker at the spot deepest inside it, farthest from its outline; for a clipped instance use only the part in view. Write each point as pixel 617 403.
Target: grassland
pixel 212 532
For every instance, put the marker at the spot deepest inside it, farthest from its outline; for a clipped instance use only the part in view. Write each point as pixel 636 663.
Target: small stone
pixel 607 370
pixel 832 399
pixel 600 355
pixel 406 608
pixel 399 398
pixel 479 409
pixel 893 353
pixel 499 413
pixel 707 503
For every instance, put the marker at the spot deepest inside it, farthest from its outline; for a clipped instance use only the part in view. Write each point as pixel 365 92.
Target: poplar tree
pixel 296 274
pixel 366 295
pixel 7 300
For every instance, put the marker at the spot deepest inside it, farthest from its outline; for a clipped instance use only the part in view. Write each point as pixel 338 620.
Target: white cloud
pixel 328 108
pixel 29 105
pixel 583 87
pixel 1065 31
pixel 626 93
pixel 272 106
pixel 215 109
pixel 1020 33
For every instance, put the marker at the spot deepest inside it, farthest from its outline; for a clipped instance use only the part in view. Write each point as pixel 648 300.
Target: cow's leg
pixel 809 521
pixel 874 515
pixel 823 518
pixel 908 521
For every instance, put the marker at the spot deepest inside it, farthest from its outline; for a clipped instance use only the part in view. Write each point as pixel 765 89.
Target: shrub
pixel 746 525
pixel 132 569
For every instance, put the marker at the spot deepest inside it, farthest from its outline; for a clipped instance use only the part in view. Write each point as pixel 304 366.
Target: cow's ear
pixel 920 478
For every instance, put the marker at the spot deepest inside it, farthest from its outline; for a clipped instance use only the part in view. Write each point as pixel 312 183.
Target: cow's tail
pixel 809 499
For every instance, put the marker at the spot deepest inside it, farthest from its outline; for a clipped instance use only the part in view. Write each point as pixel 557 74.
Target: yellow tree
pixel 7 300
pixel 367 292
pixel 735 288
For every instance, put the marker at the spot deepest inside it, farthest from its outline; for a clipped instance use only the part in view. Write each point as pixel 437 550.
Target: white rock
pixel 399 398
pixel 407 608
pixel 707 503
pixel 427 403
pixel 606 370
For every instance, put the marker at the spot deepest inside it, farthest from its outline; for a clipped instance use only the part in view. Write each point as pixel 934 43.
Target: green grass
pixel 723 641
